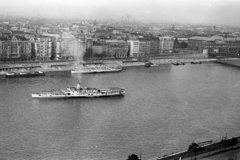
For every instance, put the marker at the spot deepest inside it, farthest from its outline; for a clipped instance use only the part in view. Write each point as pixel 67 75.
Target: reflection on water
pixel 165 108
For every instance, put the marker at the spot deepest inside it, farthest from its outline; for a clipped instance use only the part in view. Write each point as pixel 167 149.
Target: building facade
pixel 214 43
pixel 198 43
pixel 144 47
pixel 56 44
pixel 166 44
pixel 117 48
pixel 133 48
pixel 154 46
pixel 15 49
pixel 43 48
pixel 99 49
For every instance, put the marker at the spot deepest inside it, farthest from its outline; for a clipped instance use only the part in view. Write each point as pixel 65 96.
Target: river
pixel 165 108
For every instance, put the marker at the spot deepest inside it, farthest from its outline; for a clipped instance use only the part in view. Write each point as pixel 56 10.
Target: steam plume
pixel 76 49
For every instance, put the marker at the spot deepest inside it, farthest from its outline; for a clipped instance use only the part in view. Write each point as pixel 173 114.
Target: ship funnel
pixel 78 86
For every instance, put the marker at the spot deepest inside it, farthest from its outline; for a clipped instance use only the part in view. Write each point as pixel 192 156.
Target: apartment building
pixel 154 46
pixel 15 48
pixel 144 46
pixel 134 48
pixel 43 48
pixel 117 48
pixel 166 44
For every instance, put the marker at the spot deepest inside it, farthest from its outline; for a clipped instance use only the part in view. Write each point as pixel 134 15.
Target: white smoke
pixel 76 49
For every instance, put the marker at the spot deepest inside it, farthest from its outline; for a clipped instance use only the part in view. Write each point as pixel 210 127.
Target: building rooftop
pixel 115 41
pixel 18 32
pixel 67 35
pixel 216 38
pixel 100 31
pixel 3 38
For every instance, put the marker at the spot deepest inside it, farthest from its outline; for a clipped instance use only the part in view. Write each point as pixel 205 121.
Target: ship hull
pixel 95 71
pixel 79 92
pixel 25 75
pixel 76 96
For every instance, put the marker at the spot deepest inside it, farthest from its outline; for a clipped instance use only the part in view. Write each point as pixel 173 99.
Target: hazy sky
pixel 187 11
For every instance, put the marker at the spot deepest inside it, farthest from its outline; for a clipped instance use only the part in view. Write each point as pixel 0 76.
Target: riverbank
pixel 49 66
pixel 170 56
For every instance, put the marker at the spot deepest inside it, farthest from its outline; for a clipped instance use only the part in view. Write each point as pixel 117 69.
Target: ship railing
pixel 169 155
pixel 156 158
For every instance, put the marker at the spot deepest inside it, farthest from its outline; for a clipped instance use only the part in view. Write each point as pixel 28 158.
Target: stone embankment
pixel 230 62
pixel 169 61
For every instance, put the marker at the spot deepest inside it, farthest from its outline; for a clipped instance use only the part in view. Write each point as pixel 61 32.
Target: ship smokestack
pixel 78 86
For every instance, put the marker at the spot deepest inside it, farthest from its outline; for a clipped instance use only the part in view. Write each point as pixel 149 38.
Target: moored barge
pixel 24 74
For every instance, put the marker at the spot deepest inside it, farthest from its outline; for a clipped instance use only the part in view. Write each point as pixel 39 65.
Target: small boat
pixel 149 64
pixel 72 92
pixel 196 62
pixel 178 63
pixel 10 73
pixel 23 73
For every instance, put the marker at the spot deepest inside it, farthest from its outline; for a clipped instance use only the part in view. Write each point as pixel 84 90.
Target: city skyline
pixel 210 12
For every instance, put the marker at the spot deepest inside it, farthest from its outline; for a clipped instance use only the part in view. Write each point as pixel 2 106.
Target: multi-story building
pixel 56 45
pixel 15 48
pixel 99 49
pixel 166 44
pixel 43 47
pixel 214 44
pixel 134 48
pixel 154 46
pixel 197 43
pixel 117 48
pixel 144 47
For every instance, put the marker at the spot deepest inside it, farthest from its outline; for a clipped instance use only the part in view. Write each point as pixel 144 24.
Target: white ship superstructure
pixel 97 69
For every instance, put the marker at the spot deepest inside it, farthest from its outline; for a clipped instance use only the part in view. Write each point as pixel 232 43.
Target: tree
pixel 88 53
pixel 176 43
pixel 183 45
pixel 53 56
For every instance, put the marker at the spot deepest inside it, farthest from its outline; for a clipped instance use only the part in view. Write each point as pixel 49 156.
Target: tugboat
pixel 79 92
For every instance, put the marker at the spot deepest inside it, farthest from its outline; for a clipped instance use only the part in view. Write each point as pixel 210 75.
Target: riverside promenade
pixel 48 66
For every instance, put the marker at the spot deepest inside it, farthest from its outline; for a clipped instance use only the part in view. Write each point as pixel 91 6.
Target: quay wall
pixel 208 150
pixel 231 62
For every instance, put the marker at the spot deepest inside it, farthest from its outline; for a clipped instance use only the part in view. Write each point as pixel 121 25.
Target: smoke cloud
pixel 76 49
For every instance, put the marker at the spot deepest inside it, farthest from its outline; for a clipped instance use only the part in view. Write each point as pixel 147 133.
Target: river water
pixel 165 108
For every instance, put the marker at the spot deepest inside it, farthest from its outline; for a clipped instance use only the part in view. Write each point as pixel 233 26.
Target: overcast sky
pixel 211 12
